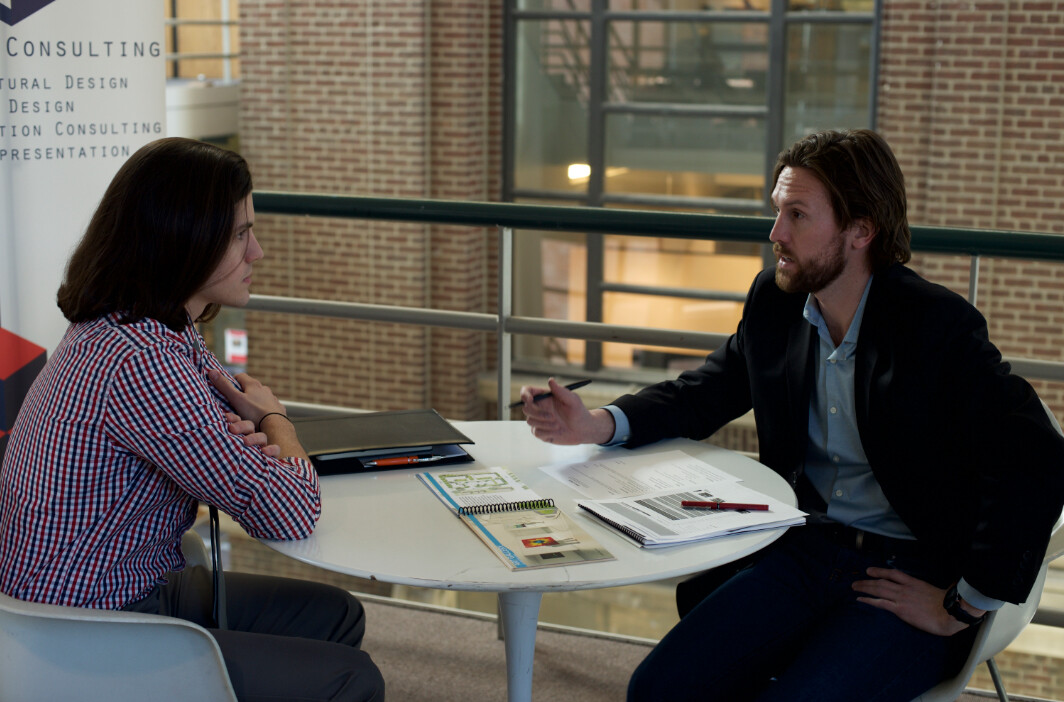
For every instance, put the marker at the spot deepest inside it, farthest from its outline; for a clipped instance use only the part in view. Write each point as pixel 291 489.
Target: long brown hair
pixel 162 227
pixel 863 181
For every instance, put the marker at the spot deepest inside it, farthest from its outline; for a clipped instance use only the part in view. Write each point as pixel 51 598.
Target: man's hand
pixel 914 601
pixel 563 419
pixel 245 429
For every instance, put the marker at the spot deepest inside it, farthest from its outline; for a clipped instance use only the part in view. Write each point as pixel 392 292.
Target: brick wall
pixel 371 98
pixel 971 99
pixel 461 141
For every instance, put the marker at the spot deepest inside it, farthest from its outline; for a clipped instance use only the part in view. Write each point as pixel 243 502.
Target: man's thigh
pixel 790 626
pixel 861 653
pixel 291 607
pixel 738 636
pixel 270 667
pixel 287 639
pixel 267 605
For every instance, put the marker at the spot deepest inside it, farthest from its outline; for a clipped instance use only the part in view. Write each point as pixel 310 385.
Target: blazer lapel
pixel 800 374
pixel 868 350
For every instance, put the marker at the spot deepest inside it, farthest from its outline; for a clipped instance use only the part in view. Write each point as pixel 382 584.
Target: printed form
pixel 623 476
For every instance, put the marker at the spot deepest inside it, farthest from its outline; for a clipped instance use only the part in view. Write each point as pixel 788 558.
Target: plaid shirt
pixel 119 439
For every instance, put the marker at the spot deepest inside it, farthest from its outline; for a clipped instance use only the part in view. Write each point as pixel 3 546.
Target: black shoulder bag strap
pixel 218 611
pixel 220 618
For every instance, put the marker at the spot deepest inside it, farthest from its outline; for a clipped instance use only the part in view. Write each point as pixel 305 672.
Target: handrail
pixel 511 217
pixel 516 216
pixel 479 321
pixel 678 225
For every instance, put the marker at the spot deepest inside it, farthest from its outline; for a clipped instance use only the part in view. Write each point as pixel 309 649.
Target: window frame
pixel 779 20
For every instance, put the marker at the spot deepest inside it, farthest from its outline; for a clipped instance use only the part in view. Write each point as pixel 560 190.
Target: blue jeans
pixel 789 628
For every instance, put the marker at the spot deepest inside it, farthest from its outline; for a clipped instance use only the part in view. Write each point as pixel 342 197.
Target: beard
pixel 814 275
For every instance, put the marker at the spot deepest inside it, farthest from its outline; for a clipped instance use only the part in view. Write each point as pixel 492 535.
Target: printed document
pixel 619 476
pixel 641 495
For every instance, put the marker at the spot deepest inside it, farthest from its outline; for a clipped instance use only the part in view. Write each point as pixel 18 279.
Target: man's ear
pixel 863 233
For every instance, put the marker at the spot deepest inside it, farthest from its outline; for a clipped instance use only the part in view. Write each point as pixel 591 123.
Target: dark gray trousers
pixel 287 639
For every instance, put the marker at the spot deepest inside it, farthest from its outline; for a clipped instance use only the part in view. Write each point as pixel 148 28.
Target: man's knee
pixel 364 682
pixel 639 686
pixel 347 613
pixel 650 683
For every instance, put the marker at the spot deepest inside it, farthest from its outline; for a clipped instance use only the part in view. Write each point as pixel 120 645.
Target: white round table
pixel 387 526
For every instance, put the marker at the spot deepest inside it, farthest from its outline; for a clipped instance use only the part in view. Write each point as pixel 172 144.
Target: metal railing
pixel 509 218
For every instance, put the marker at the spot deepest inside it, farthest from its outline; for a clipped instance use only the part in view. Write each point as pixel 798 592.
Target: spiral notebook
pixel 521 528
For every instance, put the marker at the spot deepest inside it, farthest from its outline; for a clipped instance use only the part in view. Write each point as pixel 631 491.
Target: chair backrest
pixel 194 550
pixel 1004 625
pixel 66 653
pixel 996 633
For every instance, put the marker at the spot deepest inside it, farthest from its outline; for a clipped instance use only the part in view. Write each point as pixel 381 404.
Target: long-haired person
pixel 133 423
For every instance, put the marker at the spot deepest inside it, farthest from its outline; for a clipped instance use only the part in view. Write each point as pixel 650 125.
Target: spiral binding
pixel 506 507
pixel 627 531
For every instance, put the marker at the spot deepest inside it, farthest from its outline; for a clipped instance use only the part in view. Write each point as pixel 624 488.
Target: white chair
pixel 194 550
pixel 52 653
pixel 1002 626
pixel 998 631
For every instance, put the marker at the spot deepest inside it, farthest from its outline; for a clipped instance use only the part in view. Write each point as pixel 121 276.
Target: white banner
pixel 82 86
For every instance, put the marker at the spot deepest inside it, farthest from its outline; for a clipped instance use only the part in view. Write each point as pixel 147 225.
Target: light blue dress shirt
pixel 835 461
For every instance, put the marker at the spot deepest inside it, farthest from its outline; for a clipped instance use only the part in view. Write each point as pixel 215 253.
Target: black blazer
pixel 962 449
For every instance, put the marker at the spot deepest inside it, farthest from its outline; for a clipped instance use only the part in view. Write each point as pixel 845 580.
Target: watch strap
pixel 952 603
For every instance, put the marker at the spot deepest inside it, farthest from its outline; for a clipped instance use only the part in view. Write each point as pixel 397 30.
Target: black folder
pixel 349 443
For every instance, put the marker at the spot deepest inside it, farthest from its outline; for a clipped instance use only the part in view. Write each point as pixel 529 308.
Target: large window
pixel 665 104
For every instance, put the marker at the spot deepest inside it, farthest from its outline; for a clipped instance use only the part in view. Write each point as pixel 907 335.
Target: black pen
pixel 537 398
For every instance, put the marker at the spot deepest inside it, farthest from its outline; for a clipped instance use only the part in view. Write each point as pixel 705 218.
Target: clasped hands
pixel 912 600
pixel 253 401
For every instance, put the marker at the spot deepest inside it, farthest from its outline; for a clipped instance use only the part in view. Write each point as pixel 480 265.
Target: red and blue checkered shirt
pixel 119 439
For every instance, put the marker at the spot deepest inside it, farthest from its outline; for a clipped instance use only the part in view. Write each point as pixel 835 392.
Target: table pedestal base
pixel 520 616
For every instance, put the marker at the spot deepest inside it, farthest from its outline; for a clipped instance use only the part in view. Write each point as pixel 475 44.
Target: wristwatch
pixel 952 603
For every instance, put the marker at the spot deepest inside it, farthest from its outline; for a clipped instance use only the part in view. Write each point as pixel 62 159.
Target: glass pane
pixel 688 5
pixel 555 5
pixel 672 263
pixel 716 63
pixel 832 5
pixel 550 131
pixel 550 281
pixel 827 85
pixel 685 156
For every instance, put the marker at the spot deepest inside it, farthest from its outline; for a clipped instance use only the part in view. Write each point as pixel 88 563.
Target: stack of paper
pixel 641 497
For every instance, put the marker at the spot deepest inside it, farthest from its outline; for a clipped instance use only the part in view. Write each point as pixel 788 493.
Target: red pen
pixel 721 505
pixel 400 461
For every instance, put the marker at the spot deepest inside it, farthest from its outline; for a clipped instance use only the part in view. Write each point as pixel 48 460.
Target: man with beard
pixel 880 399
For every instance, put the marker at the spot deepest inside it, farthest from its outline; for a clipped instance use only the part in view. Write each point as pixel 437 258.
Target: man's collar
pixel 814 316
